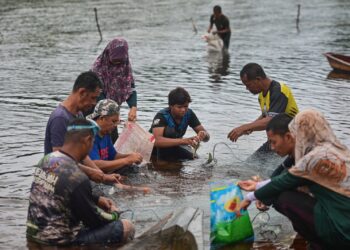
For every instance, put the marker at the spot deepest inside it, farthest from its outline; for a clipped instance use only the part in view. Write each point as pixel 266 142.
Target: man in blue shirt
pixel 103 153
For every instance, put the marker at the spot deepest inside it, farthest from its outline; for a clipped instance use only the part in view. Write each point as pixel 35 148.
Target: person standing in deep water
pixel 114 70
pixel 222 25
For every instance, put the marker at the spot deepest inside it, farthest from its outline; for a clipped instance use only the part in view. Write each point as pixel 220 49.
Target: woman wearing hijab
pixel 114 70
pixel 322 214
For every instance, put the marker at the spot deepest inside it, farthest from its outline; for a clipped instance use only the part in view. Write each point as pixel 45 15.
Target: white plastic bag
pixel 135 139
pixel 215 43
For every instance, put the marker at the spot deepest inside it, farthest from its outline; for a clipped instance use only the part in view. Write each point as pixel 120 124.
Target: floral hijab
pixel 319 155
pixel 116 78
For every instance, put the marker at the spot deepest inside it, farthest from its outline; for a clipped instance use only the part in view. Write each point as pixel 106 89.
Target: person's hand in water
pixel 248 185
pixel 132 114
pixel 111 178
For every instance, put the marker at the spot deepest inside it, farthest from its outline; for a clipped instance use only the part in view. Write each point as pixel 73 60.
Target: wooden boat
pixel 336 74
pixel 338 62
pixel 179 230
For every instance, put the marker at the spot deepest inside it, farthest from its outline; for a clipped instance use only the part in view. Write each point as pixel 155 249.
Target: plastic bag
pixel 215 43
pixel 135 139
pixel 228 224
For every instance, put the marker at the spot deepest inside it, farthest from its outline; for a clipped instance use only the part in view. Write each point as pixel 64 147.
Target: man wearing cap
pixel 103 153
pixel 62 208
pixel 86 89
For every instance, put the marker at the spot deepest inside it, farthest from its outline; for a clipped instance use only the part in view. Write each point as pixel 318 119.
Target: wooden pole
pixel 194 26
pixel 298 17
pixel 98 26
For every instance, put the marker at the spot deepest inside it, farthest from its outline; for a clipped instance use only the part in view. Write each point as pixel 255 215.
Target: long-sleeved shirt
pixel 331 212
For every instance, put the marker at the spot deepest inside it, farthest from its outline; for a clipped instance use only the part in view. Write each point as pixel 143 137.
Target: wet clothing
pixel 173 130
pixel 182 152
pixel 103 149
pixel 331 211
pixel 117 78
pixel 60 199
pixel 56 127
pixel 279 99
pixel 222 23
pixel 111 232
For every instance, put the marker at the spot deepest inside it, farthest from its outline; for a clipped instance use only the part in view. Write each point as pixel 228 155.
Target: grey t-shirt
pixel 57 126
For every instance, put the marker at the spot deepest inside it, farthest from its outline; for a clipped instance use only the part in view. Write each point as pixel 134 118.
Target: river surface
pixel 44 45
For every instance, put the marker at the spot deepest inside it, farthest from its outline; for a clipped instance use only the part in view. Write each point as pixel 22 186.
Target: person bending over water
pixel 170 125
pixel 103 153
pixel 62 208
pixel 322 164
pixel 86 89
pixel 274 98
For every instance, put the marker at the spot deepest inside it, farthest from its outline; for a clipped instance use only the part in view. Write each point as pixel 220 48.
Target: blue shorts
pixel 109 233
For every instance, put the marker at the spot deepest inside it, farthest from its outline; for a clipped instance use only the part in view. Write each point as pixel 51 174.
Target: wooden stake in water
pixel 98 26
pixel 298 17
pixel 194 26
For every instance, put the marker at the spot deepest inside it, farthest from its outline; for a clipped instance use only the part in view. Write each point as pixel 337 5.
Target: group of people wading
pixel 79 151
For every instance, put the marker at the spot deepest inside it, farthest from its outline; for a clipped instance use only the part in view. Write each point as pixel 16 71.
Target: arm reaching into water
pixel 257 125
pixel 164 142
pixel 119 162
pixel 202 134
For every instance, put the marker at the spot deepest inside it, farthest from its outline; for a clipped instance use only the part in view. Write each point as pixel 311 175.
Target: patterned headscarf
pixel 319 155
pixel 116 78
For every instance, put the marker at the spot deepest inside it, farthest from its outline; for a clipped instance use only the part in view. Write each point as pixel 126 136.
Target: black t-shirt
pixel 164 119
pixel 278 101
pixel 221 23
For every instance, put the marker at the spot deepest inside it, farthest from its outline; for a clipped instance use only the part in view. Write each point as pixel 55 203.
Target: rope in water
pixel 225 144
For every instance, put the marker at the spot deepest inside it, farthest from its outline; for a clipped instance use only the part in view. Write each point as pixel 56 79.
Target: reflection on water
pixel 339 75
pixel 44 45
pixel 219 62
